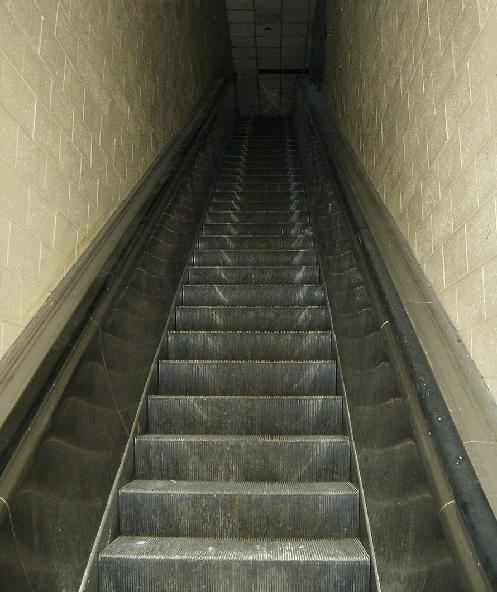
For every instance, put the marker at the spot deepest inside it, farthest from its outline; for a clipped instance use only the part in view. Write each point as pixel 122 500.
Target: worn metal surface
pixel 237 445
pixel 411 548
pixel 237 509
pixel 260 565
pixel 244 415
pixel 55 507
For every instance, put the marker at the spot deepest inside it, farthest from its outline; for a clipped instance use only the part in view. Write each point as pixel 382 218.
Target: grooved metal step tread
pixel 245 415
pixel 231 205
pixel 264 242
pixel 260 196
pixel 260 170
pixel 208 457
pixel 251 377
pixel 239 510
pixel 272 295
pixel 260 186
pixel 255 229
pixel 135 564
pixel 241 345
pixel 252 318
pixel 262 217
pixel 252 274
pixel 251 257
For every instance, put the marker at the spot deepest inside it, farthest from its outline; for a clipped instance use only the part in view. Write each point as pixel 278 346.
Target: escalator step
pixel 252 318
pixel 286 197
pixel 250 377
pixel 210 229
pixel 224 205
pixel 242 345
pixel 132 564
pixel 259 186
pixel 242 458
pixel 239 510
pixel 251 257
pixel 226 295
pixel 266 171
pixel 242 242
pixel 261 217
pixel 265 416
pixel 252 178
pixel 252 275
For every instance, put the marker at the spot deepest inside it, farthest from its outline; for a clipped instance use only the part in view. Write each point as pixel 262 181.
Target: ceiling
pixel 271 42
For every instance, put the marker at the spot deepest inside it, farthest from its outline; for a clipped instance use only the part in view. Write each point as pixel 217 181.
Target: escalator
pixel 238 400
pixel 243 479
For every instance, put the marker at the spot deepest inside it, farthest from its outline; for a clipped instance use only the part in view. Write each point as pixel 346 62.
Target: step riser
pixel 237 206
pixel 263 319
pixel 249 346
pixel 254 258
pixel 256 229
pixel 260 170
pixel 263 217
pixel 261 186
pixel 238 515
pixel 230 459
pixel 260 196
pixel 242 178
pixel 247 378
pixel 253 275
pixel 255 242
pixel 280 162
pixel 268 416
pixel 253 296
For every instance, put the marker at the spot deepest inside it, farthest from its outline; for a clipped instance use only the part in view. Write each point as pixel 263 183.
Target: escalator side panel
pixel 56 509
pixel 412 553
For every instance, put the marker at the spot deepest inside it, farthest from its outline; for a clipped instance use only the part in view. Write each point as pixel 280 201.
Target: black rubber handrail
pixel 472 504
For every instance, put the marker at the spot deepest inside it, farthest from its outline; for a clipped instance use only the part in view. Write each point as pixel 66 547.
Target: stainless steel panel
pixel 253 296
pixel 274 459
pixel 239 510
pixel 242 345
pixel 252 318
pixel 180 565
pixel 252 275
pixel 244 415
pixel 219 377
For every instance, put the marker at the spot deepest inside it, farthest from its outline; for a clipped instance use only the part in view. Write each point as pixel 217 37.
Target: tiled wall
pixel 414 86
pixel 90 91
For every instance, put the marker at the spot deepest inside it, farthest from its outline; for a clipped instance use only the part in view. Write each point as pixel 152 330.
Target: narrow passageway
pixel 248 254
pixel 243 480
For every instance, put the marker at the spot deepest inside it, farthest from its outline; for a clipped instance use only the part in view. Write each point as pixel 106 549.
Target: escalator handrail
pixel 472 504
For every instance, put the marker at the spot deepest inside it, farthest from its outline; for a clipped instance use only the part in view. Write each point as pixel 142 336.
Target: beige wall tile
pixel 482 235
pixel 31 161
pixel 8 134
pixel 17 97
pixel 12 38
pixel 89 94
pixel 452 117
pixel 24 253
pixel 41 217
pixel 13 194
pixel 470 300
pixel 4 239
pixel 490 288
